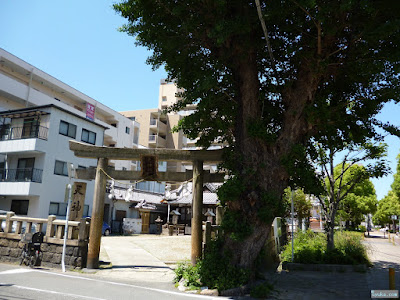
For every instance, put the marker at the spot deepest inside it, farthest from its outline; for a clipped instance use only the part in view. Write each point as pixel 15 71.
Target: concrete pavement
pixel 145 260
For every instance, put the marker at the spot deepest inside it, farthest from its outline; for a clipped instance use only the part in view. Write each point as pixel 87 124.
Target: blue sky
pixel 77 42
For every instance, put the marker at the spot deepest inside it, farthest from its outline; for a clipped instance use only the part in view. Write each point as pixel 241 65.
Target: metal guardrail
pixel 25 132
pixel 21 175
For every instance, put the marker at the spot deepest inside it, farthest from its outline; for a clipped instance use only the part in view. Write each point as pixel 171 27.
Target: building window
pixel 127 130
pixel 58 209
pixel 85 210
pixel 164 98
pixel 20 207
pixel 88 136
pixel 132 118
pixel 61 168
pixel 67 129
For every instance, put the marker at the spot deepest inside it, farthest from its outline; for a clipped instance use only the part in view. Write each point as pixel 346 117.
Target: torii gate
pixel 148 158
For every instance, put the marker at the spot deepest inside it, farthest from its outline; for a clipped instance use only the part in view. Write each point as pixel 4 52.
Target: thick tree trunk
pixel 261 168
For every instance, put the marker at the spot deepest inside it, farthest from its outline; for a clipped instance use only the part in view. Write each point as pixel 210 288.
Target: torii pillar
pixel 197 208
pixel 97 214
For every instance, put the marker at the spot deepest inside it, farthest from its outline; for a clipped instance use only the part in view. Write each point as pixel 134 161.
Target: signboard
pixel 77 201
pixel 149 165
pixel 90 110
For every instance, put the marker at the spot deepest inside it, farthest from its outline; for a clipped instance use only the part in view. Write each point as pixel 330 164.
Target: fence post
pixel 28 227
pixel 18 228
pixel 50 226
pixel 60 231
pixel 9 222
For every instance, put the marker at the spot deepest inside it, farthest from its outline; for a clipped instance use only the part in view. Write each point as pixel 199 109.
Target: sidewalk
pixel 383 255
pixel 325 285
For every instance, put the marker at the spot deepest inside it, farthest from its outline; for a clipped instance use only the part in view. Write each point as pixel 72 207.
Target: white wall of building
pixel 24 86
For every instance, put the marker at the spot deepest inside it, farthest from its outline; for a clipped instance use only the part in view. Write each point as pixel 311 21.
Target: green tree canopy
pixel 387 207
pixel 302 204
pixel 358 203
pixel 270 80
pixel 396 179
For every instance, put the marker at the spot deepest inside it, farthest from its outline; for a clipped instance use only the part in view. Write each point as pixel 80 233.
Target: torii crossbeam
pixel 103 154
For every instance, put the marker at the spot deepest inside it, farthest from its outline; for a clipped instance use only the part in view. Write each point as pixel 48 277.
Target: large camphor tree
pixel 270 78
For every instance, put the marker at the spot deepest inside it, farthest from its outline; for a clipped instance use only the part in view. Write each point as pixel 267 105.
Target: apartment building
pixel 34 155
pixel 38 116
pixel 156 126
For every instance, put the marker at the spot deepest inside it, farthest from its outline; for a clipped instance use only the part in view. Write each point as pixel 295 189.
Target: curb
pixel 323 267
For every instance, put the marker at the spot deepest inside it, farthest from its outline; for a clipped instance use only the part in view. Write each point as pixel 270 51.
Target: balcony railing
pixel 21 175
pixel 25 132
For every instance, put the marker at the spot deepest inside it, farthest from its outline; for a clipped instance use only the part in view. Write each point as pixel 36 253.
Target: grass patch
pixel 310 248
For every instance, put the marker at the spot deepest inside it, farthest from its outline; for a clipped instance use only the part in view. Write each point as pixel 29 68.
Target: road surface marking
pixel 16 271
pixel 49 292
pixel 135 286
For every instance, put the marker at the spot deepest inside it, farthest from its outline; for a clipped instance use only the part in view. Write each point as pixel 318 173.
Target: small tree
pixel 357 204
pixel 396 179
pixel 346 178
pixel 387 207
pixel 302 204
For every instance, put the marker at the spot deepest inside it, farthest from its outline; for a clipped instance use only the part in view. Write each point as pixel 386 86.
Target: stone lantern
pixel 158 224
pixel 210 216
pixel 175 216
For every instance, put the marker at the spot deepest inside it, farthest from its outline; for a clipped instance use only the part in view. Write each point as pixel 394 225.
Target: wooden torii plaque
pixel 149 159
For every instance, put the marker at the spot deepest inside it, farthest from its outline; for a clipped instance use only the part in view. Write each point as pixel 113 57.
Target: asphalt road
pixel 23 283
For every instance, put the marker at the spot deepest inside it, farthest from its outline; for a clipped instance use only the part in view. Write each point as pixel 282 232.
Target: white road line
pixel 134 286
pixel 50 292
pixel 16 271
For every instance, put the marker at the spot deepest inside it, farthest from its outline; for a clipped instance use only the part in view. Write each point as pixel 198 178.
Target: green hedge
pixel 310 248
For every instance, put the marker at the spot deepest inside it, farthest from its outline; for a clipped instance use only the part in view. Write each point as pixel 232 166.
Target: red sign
pixel 90 111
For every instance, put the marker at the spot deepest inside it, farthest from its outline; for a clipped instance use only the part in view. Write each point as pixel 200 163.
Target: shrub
pixel 214 271
pixel 262 290
pixel 310 248
pixel 188 272
pixel 362 228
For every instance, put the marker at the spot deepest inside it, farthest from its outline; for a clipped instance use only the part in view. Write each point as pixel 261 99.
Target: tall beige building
pixel 156 127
